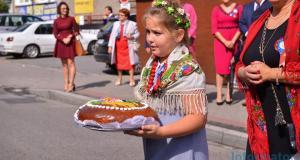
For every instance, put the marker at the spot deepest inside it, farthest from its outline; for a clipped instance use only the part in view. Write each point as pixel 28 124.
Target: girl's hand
pixel 148 131
pixel 265 71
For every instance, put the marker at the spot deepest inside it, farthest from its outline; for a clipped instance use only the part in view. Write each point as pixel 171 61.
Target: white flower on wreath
pixel 164 3
pixel 180 11
pixel 153 4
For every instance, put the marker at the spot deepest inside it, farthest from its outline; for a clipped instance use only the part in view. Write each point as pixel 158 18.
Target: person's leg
pixel 228 96
pixel 66 73
pixel 72 73
pixel 219 84
pixel 119 80
pixel 131 78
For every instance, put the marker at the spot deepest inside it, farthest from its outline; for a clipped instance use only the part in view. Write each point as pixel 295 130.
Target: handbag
pixel 78 48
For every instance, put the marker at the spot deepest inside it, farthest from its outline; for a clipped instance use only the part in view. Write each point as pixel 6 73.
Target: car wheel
pixel 91 47
pixel 32 51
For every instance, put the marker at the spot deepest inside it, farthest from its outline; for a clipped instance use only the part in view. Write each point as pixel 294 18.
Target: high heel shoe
pixel 66 88
pixel 132 83
pixel 220 103
pixel 72 88
pixel 228 102
pixel 118 82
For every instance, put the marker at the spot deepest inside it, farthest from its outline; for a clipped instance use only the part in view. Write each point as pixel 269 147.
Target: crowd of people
pixel 260 39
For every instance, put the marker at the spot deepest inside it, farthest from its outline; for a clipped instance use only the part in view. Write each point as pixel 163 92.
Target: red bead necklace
pixel 152 76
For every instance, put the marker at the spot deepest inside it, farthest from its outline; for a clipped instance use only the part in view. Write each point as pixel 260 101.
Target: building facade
pixel 87 10
pixel 204 41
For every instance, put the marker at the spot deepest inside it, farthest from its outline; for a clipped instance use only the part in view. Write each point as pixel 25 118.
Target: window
pixel 32 19
pixel 15 21
pixel 2 20
pixel 22 28
pixel 44 29
pixel 36 19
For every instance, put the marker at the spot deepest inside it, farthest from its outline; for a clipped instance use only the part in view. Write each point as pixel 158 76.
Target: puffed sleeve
pixel 55 31
pixel 240 11
pixel 75 27
pixel 136 32
pixel 214 20
pixel 113 34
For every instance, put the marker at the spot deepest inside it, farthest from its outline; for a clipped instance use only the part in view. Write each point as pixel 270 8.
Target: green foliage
pixel 3 7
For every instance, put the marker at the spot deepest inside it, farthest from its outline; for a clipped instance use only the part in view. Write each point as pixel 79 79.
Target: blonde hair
pixel 167 20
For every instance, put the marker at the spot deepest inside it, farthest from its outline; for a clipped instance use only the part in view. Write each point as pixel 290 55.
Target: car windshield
pixel 22 28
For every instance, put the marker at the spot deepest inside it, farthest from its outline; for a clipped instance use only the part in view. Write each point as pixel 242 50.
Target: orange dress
pixel 122 52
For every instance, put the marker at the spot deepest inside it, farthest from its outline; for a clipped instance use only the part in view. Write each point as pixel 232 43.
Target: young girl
pixel 173 84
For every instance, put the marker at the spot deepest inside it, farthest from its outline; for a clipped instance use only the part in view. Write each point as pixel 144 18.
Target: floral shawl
pixel 182 87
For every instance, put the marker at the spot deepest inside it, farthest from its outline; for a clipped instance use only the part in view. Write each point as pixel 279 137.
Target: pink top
pixel 222 20
pixel 192 15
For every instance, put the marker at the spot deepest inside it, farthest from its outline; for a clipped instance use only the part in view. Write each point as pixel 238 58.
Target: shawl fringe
pixel 176 102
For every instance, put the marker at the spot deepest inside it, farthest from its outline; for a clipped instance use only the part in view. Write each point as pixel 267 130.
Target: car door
pixel 44 38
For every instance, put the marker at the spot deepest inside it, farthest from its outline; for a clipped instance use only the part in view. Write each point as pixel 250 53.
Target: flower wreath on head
pixel 180 16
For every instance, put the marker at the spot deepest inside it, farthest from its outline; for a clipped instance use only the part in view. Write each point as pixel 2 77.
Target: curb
pixel 226 136
pixel 217 134
pixel 69 98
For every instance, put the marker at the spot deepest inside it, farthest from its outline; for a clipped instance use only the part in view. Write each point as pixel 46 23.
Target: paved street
pixel 34 128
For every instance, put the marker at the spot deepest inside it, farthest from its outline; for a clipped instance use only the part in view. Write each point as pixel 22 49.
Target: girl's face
pixel 161 41
pixel 63 10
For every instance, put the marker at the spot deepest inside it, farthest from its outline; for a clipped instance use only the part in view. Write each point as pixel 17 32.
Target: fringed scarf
pixel 181 87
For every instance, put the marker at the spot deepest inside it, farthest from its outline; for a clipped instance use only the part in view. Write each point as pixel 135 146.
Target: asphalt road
pixel 37 129
pixel 85 64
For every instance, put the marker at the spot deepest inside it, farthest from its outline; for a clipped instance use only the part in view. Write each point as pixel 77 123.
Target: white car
pixel 35 39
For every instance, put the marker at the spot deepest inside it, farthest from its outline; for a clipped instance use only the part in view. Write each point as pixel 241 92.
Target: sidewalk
pixel 226 123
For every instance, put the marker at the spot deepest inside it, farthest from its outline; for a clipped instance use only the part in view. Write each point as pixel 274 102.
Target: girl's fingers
pixel 135 132
pixel 147 128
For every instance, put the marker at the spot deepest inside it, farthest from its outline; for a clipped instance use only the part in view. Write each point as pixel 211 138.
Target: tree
pixel 3 7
